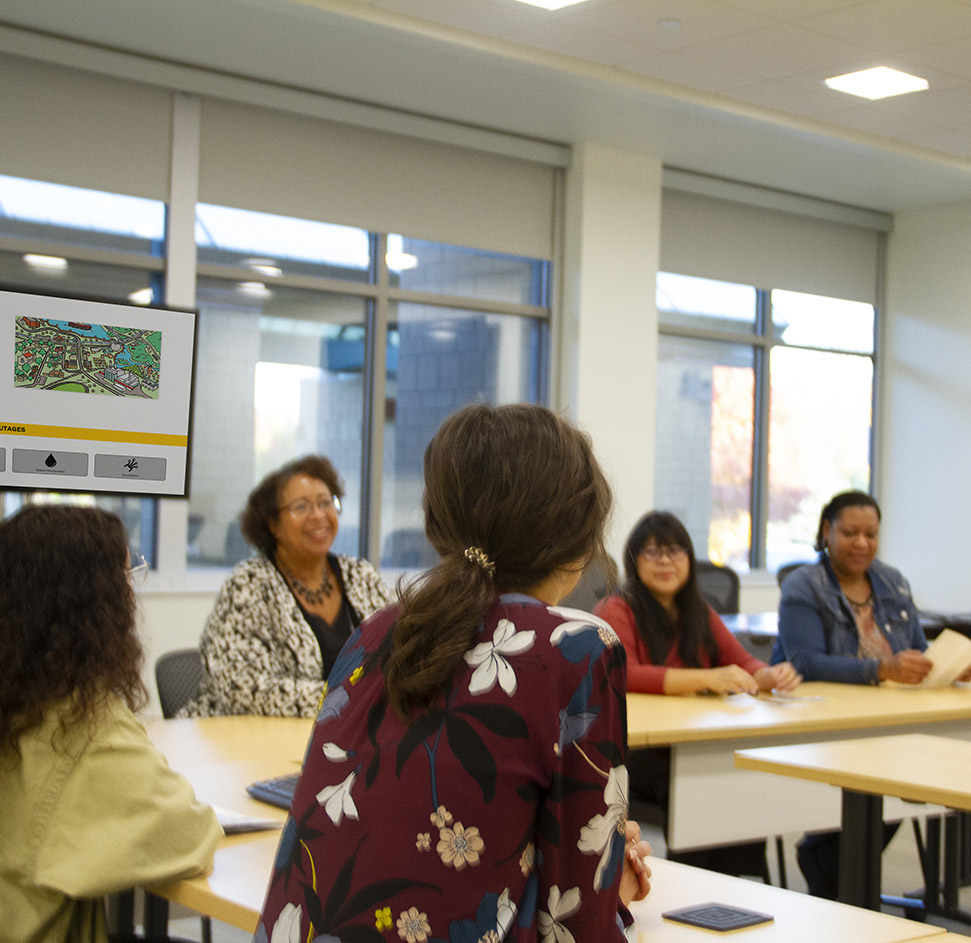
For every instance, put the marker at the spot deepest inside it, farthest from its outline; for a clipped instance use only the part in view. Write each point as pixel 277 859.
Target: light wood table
pixel 915 767
pixel 220 756
pixel 712 802
pixel 799 918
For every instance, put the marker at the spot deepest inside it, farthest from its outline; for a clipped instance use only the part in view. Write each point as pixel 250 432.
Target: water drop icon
pixel 50 461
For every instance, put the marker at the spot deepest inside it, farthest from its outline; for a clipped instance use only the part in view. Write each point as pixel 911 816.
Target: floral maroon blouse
pixel 497 814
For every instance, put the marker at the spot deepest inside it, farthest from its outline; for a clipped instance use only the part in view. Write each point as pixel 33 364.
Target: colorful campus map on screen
pixel 87 358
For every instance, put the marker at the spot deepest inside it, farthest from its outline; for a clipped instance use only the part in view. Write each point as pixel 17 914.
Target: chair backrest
pixel 719 585
pixel 178 675
pixel 786 569
pixel 598 579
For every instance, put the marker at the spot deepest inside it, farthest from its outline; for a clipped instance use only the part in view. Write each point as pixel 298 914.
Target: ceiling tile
pixel 888 26
pixel 568 40
pixel 690 73
pixel 700 21
pixel 780 51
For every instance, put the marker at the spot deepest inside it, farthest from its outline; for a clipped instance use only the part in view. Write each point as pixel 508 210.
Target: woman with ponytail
pixel 465 780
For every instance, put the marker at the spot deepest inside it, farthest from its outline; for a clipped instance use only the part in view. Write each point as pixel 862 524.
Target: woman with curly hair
pixel 88 807
pixel 465 780
pixel 282 616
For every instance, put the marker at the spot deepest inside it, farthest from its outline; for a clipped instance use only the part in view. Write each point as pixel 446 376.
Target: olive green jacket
pixel 99 812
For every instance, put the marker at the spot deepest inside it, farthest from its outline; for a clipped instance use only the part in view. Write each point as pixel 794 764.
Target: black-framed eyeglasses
pixel 302 507
pixel 674 553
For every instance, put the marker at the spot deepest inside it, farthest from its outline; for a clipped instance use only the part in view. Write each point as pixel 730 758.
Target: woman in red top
pixel 676 644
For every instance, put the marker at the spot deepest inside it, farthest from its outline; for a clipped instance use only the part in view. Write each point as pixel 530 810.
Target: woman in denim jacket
pixel 849 617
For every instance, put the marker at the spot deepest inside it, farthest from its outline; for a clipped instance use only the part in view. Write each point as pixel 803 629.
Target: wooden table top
pixel 220 756
pixel 663 720
pixel 918 767
pixel 798 918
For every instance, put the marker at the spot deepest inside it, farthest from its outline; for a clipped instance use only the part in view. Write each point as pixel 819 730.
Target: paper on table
pixel 235 822
pixel 950 654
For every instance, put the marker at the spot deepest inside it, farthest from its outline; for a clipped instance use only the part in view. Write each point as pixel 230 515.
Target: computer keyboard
pixel 277 791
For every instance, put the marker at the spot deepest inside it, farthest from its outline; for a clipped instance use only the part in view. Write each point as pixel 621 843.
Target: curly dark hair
pixel 263 503
pixel 67 618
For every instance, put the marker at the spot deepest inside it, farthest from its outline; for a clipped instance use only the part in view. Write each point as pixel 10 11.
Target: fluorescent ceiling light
pixel 256 289
pixel 401 261
pixel 264 267
pixel 879 82
pixel 551 4
pixel 52 262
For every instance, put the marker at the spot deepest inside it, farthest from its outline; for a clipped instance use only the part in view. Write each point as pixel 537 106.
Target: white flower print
pixel 597 835
pixel 334 753
pixel 492 665
pixel 287 926
pixel 575 626
pixel 337 801
pixel 560 907
pixel 505 914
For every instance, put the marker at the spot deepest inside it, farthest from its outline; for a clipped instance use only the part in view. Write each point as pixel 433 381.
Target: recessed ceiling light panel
pixel 551 4
pixel 879 82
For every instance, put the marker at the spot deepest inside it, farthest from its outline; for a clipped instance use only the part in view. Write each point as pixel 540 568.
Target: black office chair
pixel 786 569
pixel 178 675
pixel 719 585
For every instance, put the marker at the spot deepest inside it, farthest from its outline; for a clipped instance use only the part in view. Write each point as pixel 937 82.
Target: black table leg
pixel 861 845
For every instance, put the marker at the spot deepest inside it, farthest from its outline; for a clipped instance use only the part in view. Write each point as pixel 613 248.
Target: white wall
pixel 167 621
pixel 608 355
pixel 925 405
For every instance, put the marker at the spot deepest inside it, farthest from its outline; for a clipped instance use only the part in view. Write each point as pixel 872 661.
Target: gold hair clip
pixel 478 557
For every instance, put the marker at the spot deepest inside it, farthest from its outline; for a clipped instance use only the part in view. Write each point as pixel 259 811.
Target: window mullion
pixel 760 431
pixel 375 377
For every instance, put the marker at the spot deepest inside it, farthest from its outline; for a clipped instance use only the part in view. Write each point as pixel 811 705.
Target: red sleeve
pixel 642 676
pixel 730 649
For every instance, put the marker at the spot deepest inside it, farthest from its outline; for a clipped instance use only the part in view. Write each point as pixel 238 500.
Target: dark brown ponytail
pixel 518 488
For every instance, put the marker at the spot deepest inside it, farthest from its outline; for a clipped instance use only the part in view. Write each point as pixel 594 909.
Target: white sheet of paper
pixel 950 654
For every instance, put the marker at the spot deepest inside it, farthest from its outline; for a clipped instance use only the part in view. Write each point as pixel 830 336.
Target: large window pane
pixel 451 270
pixel 815 321
pixel 819 443
pixel 703 469
pixel 271 245
pixel 279 374
pixel 59 275
pixel 52 212
pixel 445 359
pixel 705 304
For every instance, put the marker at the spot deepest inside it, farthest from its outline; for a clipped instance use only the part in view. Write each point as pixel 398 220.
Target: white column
pixel 607 338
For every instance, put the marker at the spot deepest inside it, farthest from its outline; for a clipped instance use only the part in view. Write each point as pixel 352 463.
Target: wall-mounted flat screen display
pixel 94 395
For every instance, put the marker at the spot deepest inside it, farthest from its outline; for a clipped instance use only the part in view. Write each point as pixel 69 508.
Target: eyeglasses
pixel 674 553
pixel 301 508
pixel 137 568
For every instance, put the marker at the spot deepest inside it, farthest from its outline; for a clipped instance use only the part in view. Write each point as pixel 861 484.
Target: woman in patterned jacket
pixel 281 617
pixel 465 780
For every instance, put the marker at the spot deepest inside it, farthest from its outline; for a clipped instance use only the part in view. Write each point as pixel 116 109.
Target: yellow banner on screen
pixel 92 435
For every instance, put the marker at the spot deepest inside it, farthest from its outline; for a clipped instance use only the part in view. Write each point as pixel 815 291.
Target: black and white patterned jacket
pixel 259 654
